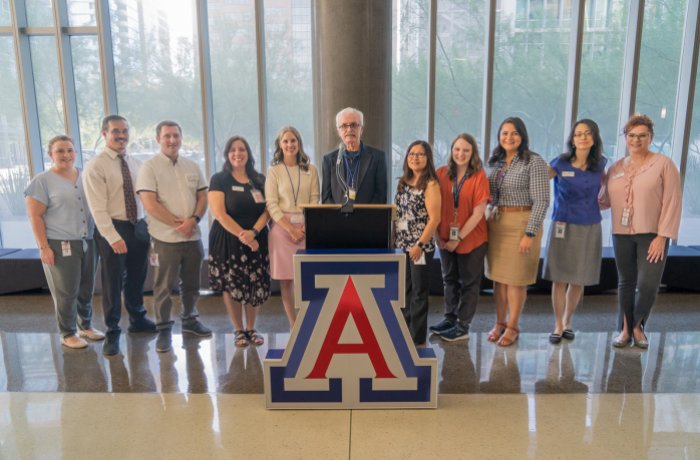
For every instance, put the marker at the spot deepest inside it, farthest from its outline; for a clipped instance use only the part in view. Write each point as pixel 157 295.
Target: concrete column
pixel 352 68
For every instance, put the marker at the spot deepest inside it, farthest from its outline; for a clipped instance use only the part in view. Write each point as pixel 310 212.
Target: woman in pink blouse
pixel 643 190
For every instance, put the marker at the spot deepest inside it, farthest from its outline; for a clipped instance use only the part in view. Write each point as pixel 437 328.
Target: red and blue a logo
pixel 350 347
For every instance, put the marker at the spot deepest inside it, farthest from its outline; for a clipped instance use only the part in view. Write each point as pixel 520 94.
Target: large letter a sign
pixel 350 347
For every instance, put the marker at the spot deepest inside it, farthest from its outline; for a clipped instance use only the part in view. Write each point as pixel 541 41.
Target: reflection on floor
pixel 579 399
pixel 36 362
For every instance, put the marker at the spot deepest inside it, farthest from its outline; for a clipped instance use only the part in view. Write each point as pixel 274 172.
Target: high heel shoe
pixel 496 332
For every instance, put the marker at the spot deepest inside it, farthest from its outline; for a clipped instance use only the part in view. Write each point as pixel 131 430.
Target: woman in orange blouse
pixel 462 236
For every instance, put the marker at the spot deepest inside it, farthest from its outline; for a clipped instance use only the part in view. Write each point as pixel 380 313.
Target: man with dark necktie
pixel 355 172
pixel 122 238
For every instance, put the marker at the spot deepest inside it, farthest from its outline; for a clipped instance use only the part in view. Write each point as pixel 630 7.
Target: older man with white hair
pixel 354 172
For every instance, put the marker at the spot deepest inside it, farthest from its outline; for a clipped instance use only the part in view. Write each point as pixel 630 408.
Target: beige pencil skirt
pixel 504 264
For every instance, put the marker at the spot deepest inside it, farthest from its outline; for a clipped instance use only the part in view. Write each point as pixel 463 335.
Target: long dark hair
pixel 278 156
pixel 428 174
pixel 474 164
pixel 596 153
pixel 255 177
pixel 499 152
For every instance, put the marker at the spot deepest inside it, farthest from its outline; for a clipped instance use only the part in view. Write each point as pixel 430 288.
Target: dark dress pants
pixel 123 272
pixel 417 291
pixel 638 279
pixel 461 275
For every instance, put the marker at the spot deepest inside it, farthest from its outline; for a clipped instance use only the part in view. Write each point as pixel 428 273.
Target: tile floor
pixel 580 399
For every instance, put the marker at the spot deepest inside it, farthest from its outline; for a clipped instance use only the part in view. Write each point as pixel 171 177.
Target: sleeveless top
pixel 410 207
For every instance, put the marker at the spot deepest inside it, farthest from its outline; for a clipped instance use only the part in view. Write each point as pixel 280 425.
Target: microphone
pixel 341 147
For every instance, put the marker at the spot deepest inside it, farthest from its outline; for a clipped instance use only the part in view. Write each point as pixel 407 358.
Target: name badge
pixel 626 216
pixel 402 225
pixel 257 196
pixel 296 218
pixel 153 259
pixel 237 188
pixel 559 229
pixel 65 248
pixel 454 233
pixel 567 174
pixel 352 194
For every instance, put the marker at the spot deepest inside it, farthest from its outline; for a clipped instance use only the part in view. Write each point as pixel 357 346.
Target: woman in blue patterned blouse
pixel 520 196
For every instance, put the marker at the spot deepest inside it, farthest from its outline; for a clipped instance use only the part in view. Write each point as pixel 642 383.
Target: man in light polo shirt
pixel 174 193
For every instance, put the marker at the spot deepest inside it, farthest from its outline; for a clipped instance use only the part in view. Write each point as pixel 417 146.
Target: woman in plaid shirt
pixel 520 197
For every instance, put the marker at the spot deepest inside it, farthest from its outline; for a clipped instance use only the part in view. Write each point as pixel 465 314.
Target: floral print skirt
pixel 237 269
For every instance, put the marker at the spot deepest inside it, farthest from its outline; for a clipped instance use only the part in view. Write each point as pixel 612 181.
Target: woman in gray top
pixel 63 229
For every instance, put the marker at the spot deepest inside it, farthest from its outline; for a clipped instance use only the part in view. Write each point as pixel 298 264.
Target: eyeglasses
pixel 583 134
pixel 641 136
pixel 346 126
pixel 417 154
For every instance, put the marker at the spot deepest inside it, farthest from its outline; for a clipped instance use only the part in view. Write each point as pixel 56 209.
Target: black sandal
pixel 253 337
pixel 241 339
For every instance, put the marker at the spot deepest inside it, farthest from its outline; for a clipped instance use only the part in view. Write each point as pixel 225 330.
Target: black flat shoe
pixel 568 334
pixel 554 338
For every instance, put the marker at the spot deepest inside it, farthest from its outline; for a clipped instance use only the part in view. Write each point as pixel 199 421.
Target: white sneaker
pixel 91 334
pixel 73 341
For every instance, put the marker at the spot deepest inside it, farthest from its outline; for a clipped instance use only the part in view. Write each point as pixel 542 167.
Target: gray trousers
pixel 71 281
pixel 461 276
pixel 638 279
pixel 176 261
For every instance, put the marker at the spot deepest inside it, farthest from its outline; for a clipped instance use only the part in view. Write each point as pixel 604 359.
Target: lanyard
pixel 352 172
pixel 295 193
pixel 456 189
pixel 500 176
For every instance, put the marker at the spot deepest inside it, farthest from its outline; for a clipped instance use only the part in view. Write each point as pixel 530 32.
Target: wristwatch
pixel 196 218
pixel 530 234
pixel 420 245
pixel 255 232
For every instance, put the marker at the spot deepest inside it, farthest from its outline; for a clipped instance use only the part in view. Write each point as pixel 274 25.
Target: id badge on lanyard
pixel 454 229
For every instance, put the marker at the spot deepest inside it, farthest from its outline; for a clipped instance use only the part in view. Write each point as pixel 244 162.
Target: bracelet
pixel 196 218
pixel 255 232
pixel 41 248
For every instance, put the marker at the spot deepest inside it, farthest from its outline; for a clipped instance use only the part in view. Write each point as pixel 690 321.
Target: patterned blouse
pixel 524 183
pixel 410 206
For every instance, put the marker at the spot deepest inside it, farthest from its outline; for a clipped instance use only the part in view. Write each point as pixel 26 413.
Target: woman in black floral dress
pixel 418 207
pixel 239 265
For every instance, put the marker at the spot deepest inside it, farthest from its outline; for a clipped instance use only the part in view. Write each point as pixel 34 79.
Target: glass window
pixel 530 75
pixel 459 77
pixel 4 13
pixel 157 77
pixel 82 13
pixel 659 61
pixel 602 60
pixel 409 86
pixel 88 91
pixel 690 220
pixel 234 75
pixel 39 13
pixel 14 172
pixel 47 83
pixel 288 72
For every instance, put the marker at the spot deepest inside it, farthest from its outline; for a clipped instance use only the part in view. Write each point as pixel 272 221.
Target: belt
pixel 514 208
